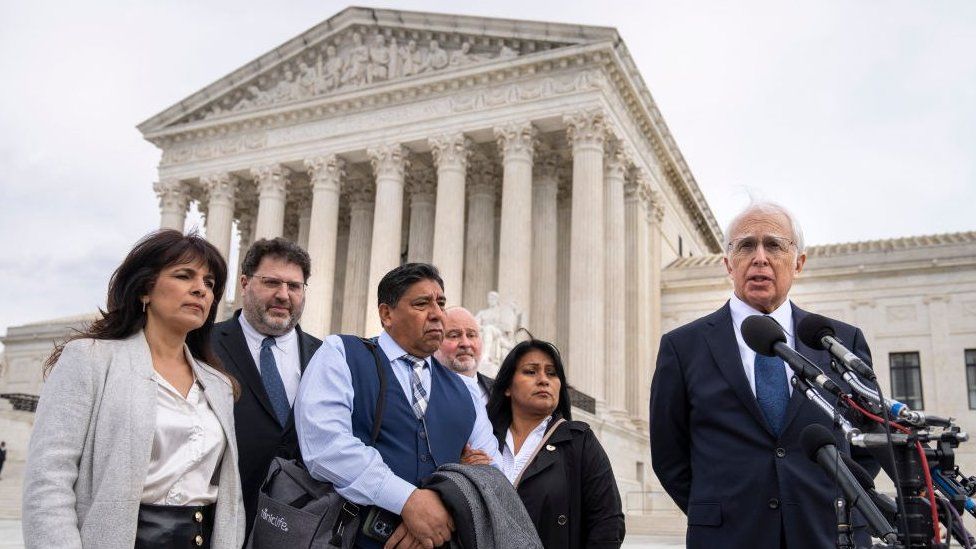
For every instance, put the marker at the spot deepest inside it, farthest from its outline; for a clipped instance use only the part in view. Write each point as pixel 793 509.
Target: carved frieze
pixel 359 57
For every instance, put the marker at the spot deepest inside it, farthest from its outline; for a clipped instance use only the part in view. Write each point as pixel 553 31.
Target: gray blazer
pixel 90 449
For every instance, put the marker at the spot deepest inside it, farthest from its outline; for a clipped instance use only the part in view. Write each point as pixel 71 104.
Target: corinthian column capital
pixel 617 160
pixel 173 194
pixel 326 172
pixel 586 128
pixel 272 178
pixel 388 160
pixel 220 186
pixel 450 150
pixel 516 140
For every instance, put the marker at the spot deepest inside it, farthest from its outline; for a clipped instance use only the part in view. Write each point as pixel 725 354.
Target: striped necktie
pixel 417 387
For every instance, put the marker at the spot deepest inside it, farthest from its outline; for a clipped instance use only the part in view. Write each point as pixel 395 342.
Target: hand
pixel 470 456
pixel 402 539
pixel 427 519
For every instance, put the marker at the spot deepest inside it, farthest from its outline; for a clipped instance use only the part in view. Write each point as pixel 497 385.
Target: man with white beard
pixel 461 348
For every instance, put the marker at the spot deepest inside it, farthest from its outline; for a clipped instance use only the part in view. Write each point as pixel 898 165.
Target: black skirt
pixel 174 527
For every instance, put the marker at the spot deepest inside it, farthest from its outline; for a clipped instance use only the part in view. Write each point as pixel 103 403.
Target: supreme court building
pixel 527 158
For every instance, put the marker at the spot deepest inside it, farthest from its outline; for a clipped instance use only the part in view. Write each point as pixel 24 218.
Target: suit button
pixel 423 434
pixel 561 520
pixel 198 540
pixel 198 516
pixel 423 458
pixel 780 453
pixel 773 503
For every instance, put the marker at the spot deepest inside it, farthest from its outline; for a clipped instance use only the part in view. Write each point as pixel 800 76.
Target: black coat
pixel 570 491
pixel 260 438
pixel 715 454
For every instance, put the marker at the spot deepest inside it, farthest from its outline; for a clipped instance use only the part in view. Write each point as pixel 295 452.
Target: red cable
pixel 924 460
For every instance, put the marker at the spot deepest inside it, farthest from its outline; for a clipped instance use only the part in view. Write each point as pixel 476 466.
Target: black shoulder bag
pixel 296 510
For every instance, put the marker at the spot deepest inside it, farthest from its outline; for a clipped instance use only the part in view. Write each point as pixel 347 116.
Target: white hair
pixel 764 208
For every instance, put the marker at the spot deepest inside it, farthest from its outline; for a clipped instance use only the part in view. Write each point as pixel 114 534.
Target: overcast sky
pixel 858 115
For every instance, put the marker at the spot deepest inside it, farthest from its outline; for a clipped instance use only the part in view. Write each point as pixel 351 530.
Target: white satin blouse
pixel 187 447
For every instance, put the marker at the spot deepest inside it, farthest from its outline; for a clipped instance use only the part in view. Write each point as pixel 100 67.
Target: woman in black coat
pixel 565 482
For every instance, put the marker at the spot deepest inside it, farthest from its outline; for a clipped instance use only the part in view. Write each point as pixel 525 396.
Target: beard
pixel 465 364
pixel 260 317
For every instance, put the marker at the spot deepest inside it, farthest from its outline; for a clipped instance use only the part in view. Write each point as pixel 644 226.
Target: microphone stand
pixel 845 535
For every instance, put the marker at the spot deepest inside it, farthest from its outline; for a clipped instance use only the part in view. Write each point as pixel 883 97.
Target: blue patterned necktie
pixel 272 382
pixel 417 386
pixel 772 390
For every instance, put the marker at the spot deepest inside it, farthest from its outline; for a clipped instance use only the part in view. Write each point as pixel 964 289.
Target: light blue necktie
pixel 272 382
pixel 772 392
pixel 419 394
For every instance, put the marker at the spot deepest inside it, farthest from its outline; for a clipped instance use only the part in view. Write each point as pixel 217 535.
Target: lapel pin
pixel 550 447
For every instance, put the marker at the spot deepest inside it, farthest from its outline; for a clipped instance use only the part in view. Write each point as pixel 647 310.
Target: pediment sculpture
pixel 351 61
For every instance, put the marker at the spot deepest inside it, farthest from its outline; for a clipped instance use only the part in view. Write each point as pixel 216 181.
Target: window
pixel 971 377
pixel 906 379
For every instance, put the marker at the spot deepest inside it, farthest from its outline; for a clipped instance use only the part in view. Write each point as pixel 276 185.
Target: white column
pixel 173 202
pixel 304 223
pixel 654 214
pixel 586 131
pixel 479 247
pixel 545 246
pixel 245 237
pixel 342 257
pixel 420 236
pixel 451 158
pixel 564 223
pixel 354 298
pixel 636 248
pixel 515 144
pixel 615 169
pixel 272 182
pixel 389 163
pixel 220 209
pixel 326 173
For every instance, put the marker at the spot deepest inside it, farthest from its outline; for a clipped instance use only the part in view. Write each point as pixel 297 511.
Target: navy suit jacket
pixel 716 456
pixel 260 438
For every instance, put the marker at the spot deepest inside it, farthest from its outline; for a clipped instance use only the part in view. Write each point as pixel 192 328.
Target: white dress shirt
pixel 286 354
pixel 783 315
pixel 323 418
pixel 187 446
pixel 475 388
pixel 513 464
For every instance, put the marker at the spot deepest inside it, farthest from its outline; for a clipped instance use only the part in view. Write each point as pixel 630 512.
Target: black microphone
pixel 884 502
pixel 765 336
pixel 817 332
pixel 818 443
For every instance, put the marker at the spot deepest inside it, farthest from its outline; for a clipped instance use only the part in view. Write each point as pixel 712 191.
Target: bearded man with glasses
pixel 264 348
pixel 725 423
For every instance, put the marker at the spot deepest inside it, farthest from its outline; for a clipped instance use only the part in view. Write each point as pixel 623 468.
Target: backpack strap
pixel 381 399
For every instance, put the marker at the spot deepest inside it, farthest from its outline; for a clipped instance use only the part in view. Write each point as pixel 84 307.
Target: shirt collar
pixel 282 342
pixel 392 349
pixel 782 315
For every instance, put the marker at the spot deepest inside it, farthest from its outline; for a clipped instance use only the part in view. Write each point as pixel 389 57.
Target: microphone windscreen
pixel 862 476
pixel 812 329
pixel 761 333
pixel 814 437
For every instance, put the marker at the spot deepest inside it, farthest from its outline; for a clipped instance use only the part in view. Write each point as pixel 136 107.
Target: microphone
pixel 818 443
pixel 884 502
pixel 817 332
pixel 765 336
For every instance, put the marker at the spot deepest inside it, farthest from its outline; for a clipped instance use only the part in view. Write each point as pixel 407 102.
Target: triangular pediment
pixel 360 48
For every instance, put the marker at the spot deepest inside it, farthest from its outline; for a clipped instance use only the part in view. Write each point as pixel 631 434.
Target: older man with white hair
pixel 461 348
pixel 724 422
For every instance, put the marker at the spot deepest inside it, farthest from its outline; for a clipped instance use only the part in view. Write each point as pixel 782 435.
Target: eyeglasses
pixel 775 246
pixel 271 283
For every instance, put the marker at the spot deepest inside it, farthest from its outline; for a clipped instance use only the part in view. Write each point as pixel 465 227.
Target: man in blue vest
pixel 429 416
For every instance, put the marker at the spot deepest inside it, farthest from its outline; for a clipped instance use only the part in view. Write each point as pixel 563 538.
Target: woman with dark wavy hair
pixel 133 442
pixel 557 465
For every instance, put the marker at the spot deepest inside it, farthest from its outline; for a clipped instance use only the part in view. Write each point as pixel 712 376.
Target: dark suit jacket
pixel 716 456
pixel 259 435
pixel 486 383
